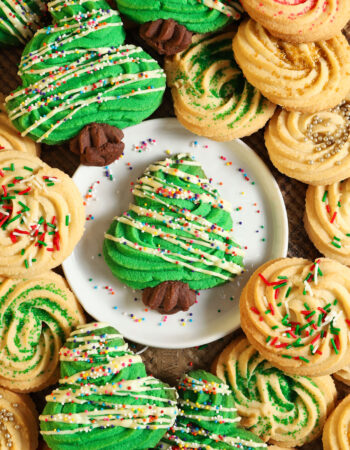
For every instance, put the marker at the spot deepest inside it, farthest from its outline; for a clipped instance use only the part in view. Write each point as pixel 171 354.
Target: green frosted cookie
pixel 197 16
pixel 207 417
pixel 78 71
pixel 105 400
pixel 179 228
pixel 19 20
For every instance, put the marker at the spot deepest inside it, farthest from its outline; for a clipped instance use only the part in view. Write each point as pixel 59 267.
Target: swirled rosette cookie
pixel 302 77
pixel 283 409
pixel 336 431
pixel 343 375
pixel 19 20
pixel 300 20
pixel 327 219
pixel 78 71
pixel 37 316
pixel 311 147
pixel 211 96
pixel 297 314
pixel 10 138
pixel 41 215
pixel 207 417
pixel 18 421
pixel 178 229
pixel 199 17
pixel 105 400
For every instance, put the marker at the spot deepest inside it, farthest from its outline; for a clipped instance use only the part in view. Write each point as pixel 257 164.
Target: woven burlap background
pixel 170 364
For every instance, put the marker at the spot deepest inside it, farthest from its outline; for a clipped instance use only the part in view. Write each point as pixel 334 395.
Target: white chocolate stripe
pixel 216 408
pixel 155 252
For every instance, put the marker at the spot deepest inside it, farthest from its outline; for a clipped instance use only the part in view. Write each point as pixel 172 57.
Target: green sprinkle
pixel 288 291
pixel 307 276
pixel 67 220
pixel 336 238
pixel 282 278
pixel 322 333
pixel 324 196
pixel 304 359
pixel 335 302
pixel 286 356
pixel 274 327
pixel 320 271
pixel 41 220
pixel 297 329
pixel 12 167
pixel 28 168
pixel 26 263
pixel 328 306
pixel 268 339
pixel 51 225
pixel 267 311
pixel 22 251
pixel 279 285
pixel 311 348
pixel 306 306
pixel 335 244
pixel 297 342
pixel 348 234
pixel 12 220
pixel 10 185
pixel 310 315
pixel 339 204
pixel 334 346
pixel 320 317
pixel 42 243
pixel 279 304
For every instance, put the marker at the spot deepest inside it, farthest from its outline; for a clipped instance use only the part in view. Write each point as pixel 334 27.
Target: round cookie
pixel 207 417
pixel 78 72
pixel 10 138
pixel 336 431
pixel 211 96
pixel 297 314
pixel 18 421
pixel 283 409
pixel 199 17
pixel 300 21
pixel 327 219
pixel 36 317
pixel 41 215
pixel 105 400
pixel 343 375
pixel 302 77
pixel 19 20
pixel 179 228
pixel 311 147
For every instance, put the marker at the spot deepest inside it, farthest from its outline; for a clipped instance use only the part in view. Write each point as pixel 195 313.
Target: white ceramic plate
pixel 260 224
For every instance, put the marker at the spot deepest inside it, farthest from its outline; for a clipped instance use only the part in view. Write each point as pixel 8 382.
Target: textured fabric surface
pixel 171 364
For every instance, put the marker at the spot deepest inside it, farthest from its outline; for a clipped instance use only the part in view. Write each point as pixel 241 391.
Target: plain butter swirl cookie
pixel 41 215
pixel 300 20
pixel 327 219
pixel 302 77
pixel 211 96
pixel 336 433
pixel 18 421
pixel 297 314
pixel 10 138
pixel 283 409
pixel 37 316
pixel 311 147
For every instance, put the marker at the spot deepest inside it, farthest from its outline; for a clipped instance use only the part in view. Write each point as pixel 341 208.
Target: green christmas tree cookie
pixel 19 20
pixel 197 16
pixel 78 71
pixel 105 400
pixel 178 229
pixel 207 417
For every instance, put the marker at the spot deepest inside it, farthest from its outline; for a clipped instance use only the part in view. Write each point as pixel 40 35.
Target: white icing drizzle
pixel 109 414
pixel 21 20
pixel 233 10
pixel 192 384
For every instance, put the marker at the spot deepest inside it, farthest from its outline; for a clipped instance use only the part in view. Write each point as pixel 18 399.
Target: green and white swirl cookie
pixel 105 400
pixel 37 316
pixel 283 409
pixel 207 417
pixel 197 16
pixel 19 20
pixel 211 96
pixel 78 71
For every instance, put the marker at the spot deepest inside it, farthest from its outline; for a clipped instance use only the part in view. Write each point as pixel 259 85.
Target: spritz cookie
pixel 300 20
pixel 283 409
pixel 297 314
pixel 10 138
pixel 327 219
pixel 41 215
pixel 343 375
pixel 211 96
pixel 105 399
pixel 336 434
pixel 311 147
pixel 302 77
pixel 36 316
pixel 18 421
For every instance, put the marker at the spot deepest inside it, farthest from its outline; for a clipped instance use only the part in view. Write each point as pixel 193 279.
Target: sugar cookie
pixel 336 431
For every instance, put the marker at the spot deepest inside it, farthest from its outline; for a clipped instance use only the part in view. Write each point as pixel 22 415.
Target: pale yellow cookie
pixel 297 314
pixel 211 96
pixel 302 77
pixel 18 422
pixel 300 20
pixel 343 375
pixel 36 317
pixel 282 409
pixel 312 148
pixel 41 215
pixel 336 433
pixel 10 138
pixel 327 219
